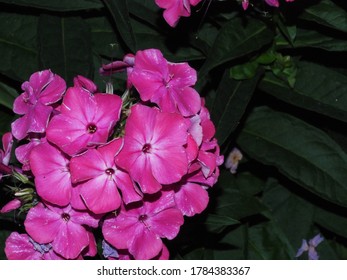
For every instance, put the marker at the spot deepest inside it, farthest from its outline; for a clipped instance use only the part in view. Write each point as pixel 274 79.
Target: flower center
pixel 143 218
pixel 91 128
pixel 65 217
pixel 109 171
pixel 146 148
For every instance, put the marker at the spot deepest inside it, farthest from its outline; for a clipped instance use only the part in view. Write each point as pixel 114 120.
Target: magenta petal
pixel 183 75
pixel 18 247
pixel 188 101
pixel 53 91
pixel 100 195
pixel 71 240
pixel 145 244
pixel 120 230
pixel 76 200
pixel 130 191
pixel 166 223
pixel 20 104
pixel 84 218
pixel 42 224
pixel 85 83
pixel 191 199
pixel 108 110
pixel 87 166
pixel 52 177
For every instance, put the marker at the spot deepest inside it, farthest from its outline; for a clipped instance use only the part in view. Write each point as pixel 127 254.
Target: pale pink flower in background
pixel 64 228
pixel 154 152
pixel 52 175
pixel 164 83
pixel 140 227
pixel 174 9
pixel 85 120
pixel 233 159
pixel 22 247
pixel 41 91
pixel 100 179
pixel 310 247
pixel 10 206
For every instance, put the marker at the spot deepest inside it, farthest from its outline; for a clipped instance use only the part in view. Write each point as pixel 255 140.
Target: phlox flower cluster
pixel 132 166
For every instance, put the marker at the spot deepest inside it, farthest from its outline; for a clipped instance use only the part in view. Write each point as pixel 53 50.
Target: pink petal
pixel 85 83
pixel 166 223
pixel 52 177
pixel 92 248
pixel 191 199
pixel 130 191
pixel 100 195
pixel 145 244
pixel 84 218
pixel 108 110
pixel 53 92
pixel 182 75
pixel 18 247
pixel 21 105
pixel 159 202
pixel 188 101
pixel 120 230
pixel 42 224
pixel 70 240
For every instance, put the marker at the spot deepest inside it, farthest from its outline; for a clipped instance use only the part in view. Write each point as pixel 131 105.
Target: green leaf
pixel 307 38
pixel 232 202
pixel 293 214
pixel 230 104
pixel 65 46
pixel 105 41
pixel 327 13
pixel 326 95
pixel 335 222
pixel 300 151
pixel 120 14
pixel 59 6
pixel 236 39
pixel 8 95
pixel 244 71
pixel 268 242
pixel 18 45
pixel 6 117
pixel 217 223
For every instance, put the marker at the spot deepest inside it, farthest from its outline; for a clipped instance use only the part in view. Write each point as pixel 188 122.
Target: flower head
pixel 41 91
pixel 85 120
pixel 174 9
pixel 232 161
pixel 139 228
pixel 100 179
pixel 164 83
pixel 63 227
pixel 154 152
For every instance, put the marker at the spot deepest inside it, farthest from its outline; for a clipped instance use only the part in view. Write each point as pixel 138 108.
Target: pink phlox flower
pixel 10 206
pixel 85 120
pixel 273 3
pixel 190 196
pixel 174 9
pixel 100 179
pixel 23 247
pixel 232 161
pixel 22 152
pixel 169 85
pixel 52 174
pixel 310 247
pixel 139 227
pixel 85 83
pixel 41 91
pixel 5 153
pixel 63 227
pixel 154 152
